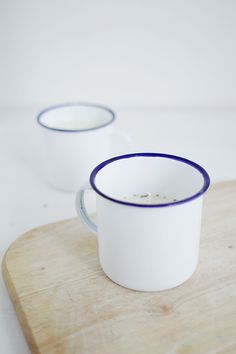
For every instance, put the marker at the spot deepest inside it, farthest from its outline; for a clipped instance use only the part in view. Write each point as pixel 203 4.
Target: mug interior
pixel 166 175
pixel 76 117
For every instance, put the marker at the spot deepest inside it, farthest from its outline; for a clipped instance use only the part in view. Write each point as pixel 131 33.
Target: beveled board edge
pixel 16 301
pixel 18 307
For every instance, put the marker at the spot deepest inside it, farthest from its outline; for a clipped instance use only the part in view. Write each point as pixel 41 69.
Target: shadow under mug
pixel 77 137
pixel 147 247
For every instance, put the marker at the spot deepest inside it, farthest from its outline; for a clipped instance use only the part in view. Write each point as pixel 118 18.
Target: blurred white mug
pixel 148 218
pixel 76 137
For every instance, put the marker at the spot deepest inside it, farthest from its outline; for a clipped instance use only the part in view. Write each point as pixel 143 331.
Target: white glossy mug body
pixel 147 247
pixel 76 137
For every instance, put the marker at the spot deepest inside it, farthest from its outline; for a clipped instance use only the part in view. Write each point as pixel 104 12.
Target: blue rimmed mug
pixel 76 137
pixel 148 218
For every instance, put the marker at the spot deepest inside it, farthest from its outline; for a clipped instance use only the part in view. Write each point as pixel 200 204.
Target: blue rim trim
pixel 200 169
pixel 75 104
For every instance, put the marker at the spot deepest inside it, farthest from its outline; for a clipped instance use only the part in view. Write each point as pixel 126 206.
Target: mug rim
pixel 206 179
pixel 75 104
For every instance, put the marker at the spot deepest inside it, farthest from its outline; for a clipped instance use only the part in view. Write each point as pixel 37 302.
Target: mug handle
pixel 124 142
pixel 81 209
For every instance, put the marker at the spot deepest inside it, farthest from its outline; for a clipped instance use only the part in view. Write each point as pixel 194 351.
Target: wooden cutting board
pixel 66 305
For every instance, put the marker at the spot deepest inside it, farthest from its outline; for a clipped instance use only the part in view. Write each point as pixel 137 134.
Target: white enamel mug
pixel 147 247
pixel 76 137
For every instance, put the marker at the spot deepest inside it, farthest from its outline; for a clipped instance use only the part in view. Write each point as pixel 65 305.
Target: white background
pixel 126 52
pixel 168 68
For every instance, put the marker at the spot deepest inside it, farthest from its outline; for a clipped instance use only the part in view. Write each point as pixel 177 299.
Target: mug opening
pixel 164 180
pixel 75 117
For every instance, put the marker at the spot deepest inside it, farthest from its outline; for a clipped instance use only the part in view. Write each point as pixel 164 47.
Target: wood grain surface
pixel 66 305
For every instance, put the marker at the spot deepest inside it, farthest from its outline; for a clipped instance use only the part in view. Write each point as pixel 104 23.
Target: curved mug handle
pixel 121 143
pixel 81 209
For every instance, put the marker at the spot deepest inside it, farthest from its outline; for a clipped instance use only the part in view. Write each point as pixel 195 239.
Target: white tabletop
pixel 208 137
